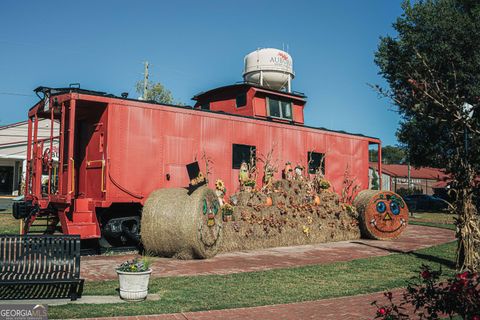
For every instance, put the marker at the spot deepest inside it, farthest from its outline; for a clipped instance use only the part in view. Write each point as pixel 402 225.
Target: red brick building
pixel 395 177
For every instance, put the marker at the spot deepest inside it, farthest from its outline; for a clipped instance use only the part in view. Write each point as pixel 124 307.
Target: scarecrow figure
pixel 246 182
pixel 288 171
pixel 269 171
pixel 299 172
pixel 243 175
pixel 220 191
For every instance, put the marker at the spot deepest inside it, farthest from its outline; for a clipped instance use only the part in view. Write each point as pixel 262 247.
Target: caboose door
pixel 95 162
pixel 91 153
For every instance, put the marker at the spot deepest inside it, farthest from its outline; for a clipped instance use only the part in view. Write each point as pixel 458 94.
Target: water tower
pixel 269 67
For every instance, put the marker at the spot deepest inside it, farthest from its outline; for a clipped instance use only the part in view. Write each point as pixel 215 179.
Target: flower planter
pixel 134 285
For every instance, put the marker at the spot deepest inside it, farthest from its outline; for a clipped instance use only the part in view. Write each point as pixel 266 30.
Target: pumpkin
pixel 268 202
pixel 316 200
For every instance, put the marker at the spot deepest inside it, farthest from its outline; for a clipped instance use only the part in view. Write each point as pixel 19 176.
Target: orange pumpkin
pixel 268 202
pixel 316 200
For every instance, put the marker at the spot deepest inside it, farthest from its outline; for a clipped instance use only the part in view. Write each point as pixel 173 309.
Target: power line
pixel 16 94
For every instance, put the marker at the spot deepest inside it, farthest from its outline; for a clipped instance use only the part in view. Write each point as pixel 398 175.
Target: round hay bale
pixel 383 214
pixel 176 224
pixel 292 219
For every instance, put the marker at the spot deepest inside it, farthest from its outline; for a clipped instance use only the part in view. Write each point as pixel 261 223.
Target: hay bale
pixel 175 224
pixel 293 219
pixel 383 214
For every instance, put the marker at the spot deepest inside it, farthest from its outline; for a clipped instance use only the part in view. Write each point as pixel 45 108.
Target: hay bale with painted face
pixel 181 225
pixel 383 214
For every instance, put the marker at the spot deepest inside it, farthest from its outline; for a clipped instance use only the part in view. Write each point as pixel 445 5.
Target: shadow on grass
pixel 428 257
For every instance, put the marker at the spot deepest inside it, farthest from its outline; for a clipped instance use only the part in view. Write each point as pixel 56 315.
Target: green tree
pixel 390 155
pixel 432 67
pixel 155 92
pixel 375 185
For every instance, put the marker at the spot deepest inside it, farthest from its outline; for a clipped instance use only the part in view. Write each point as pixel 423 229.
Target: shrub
pixel 403 192
pixel 432 298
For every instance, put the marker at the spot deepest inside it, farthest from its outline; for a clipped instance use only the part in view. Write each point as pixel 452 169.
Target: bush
pixel 403 192
pixel 375 185
pixel 432 298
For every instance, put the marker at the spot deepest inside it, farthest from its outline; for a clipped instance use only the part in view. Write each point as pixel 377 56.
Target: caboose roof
pixel 247 85
pixel 69 90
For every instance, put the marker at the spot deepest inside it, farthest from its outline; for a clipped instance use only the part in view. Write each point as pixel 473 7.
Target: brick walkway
pixel 345 308
pixel 415 237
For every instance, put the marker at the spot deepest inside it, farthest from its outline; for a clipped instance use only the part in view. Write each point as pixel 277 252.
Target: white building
pixel 13 153
pixel 385 179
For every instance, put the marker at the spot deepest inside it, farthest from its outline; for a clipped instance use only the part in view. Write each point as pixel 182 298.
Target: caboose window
pixel 242 153
pixel 316 160
pixel 241 100
pixel 205 106
pixel 279 108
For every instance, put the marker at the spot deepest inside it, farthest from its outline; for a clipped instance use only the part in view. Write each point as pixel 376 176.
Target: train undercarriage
pixel 119 224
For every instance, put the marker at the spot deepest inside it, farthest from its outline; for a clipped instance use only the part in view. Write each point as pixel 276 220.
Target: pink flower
pixel 382 311
pixel 464 275
pixel 476 317
pixel 426 274
pixel 462 282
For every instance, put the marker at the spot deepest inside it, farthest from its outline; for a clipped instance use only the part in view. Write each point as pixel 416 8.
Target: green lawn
pixel 435 217
pixel 433 224
pixel 181 294
pixel 8 224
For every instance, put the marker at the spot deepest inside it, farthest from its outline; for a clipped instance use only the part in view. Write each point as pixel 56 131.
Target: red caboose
pixel 113 151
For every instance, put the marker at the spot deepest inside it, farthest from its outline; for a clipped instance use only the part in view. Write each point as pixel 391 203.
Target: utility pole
pixel 145 81
pixel 409 176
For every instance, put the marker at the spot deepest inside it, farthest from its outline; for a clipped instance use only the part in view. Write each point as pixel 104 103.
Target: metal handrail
pixel 102 183
pixel 73 175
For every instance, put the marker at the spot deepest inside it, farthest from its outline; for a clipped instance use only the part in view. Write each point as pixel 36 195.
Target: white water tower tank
pixel 269 67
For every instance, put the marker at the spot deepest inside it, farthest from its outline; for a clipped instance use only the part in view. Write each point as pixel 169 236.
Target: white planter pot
pixel 133 285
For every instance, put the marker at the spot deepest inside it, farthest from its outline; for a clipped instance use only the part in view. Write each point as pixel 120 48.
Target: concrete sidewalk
pixel 83 300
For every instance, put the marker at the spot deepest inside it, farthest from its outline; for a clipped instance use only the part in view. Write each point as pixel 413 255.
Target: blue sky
pixel 194 46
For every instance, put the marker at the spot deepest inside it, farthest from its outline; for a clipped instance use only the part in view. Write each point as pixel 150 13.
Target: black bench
pixel 40 267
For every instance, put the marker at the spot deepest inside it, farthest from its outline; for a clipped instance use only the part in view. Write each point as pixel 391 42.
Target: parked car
pixel 425 202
